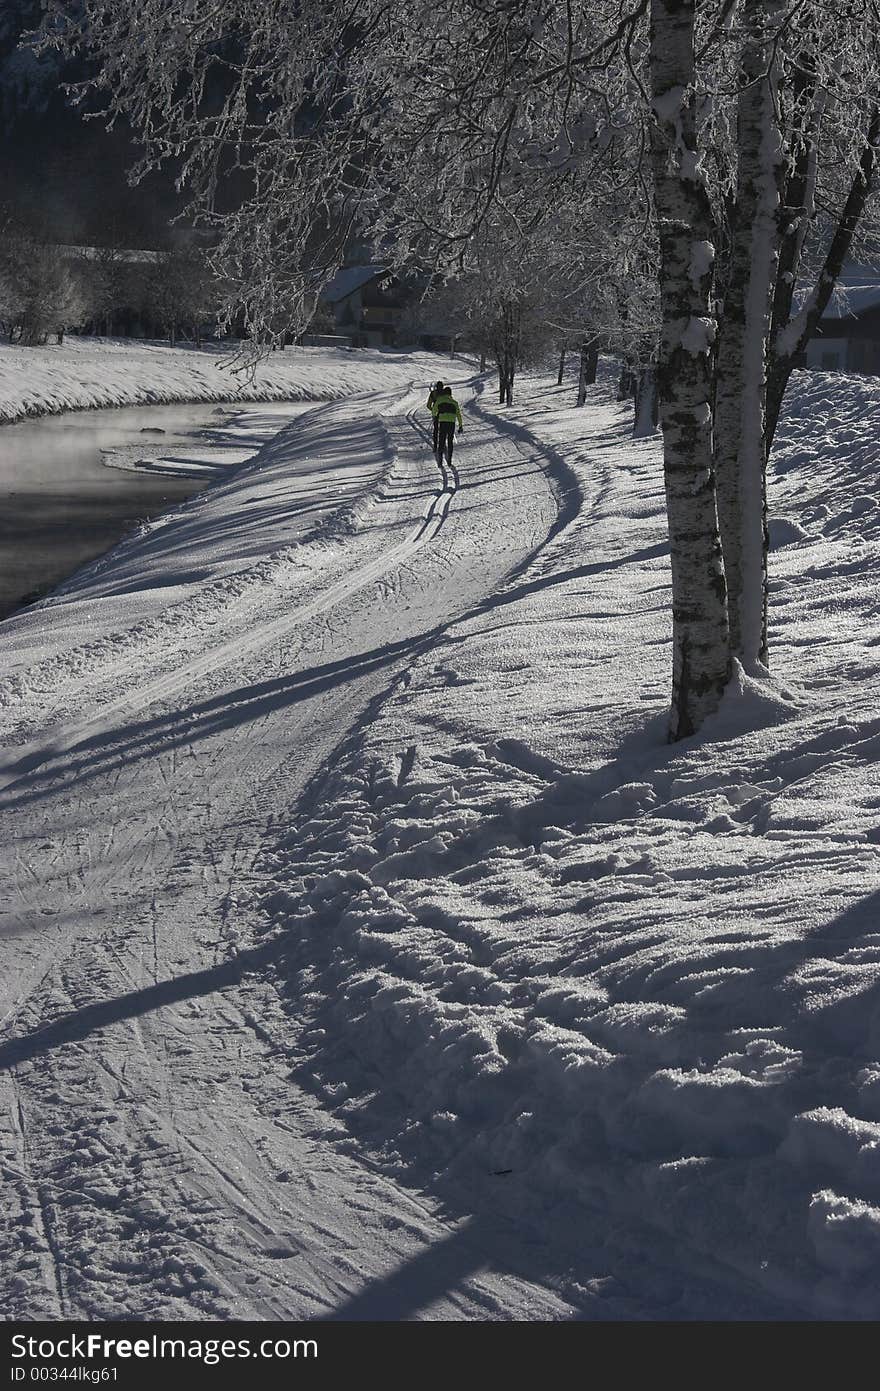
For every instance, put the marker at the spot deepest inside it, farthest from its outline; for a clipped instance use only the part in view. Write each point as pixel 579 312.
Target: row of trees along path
pixel 688 174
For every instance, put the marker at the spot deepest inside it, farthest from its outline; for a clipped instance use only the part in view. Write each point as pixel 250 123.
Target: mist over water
pixel 61 506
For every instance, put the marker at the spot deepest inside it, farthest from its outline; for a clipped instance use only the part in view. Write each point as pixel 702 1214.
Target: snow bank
pixel 84 373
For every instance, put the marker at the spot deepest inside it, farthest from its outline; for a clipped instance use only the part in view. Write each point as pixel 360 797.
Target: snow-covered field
pixel 369 953
pixel 85 373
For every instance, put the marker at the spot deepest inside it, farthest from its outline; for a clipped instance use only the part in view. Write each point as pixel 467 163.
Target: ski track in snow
pixel 161 1160
pixel 370 955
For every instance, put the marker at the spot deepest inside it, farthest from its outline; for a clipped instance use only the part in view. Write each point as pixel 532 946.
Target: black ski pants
pixel 446 439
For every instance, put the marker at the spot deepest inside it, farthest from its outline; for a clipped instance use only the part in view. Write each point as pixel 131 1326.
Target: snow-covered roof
pixel 349 279
pixel 849 300
pixel 857 290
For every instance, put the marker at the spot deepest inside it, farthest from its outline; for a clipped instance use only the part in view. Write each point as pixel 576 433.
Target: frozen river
pixel 60 503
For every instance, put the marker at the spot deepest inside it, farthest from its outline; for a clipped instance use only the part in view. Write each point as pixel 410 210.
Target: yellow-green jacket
pixel 447 410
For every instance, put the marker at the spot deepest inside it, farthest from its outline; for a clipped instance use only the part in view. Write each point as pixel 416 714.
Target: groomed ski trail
pixel 158 1159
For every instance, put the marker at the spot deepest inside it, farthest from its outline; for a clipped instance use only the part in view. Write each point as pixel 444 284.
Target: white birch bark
pixel 589 359
pixel 701 652
pixel 646 420
pixel 741 369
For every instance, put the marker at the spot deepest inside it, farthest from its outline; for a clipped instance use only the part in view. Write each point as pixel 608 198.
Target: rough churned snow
pixel 369 953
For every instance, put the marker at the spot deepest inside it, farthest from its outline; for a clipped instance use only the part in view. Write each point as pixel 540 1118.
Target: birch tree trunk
pixel 798 191
pixel 741 365
pixel 589 365
pixel 505 379
pixel 701 649
pixel 508 383
pixel 561 366
pixel 507 351
pixel 646 412
pixel 626 384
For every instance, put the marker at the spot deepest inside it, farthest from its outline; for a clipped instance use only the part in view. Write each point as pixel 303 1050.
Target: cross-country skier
pixel 435 391
pixel 446 411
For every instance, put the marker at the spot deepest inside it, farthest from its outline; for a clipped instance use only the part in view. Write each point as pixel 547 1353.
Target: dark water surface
pixel 61 506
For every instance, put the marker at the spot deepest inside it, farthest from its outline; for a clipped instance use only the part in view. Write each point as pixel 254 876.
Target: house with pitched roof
pixel 367 303
pixel 848 336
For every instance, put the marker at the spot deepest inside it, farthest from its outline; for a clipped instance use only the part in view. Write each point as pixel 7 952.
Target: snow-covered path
pixel 161 1161
pixel 368 951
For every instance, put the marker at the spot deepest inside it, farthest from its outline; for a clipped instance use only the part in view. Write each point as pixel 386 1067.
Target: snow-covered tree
pixel 701 653
pixel 114 283
pixel 806 137
pixel 41 291
pixel 512 297
pixel 765 137
pixel 12 300
pixel 179 292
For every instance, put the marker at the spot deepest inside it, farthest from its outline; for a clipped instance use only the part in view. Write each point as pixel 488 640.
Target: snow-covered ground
pixel 83 373
pixel 370 954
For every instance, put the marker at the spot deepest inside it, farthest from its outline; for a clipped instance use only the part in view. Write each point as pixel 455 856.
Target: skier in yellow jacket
pixel 446 411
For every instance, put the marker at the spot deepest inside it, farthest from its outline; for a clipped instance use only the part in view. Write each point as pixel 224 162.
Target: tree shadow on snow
pixel 91 757
pixel 81 1023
